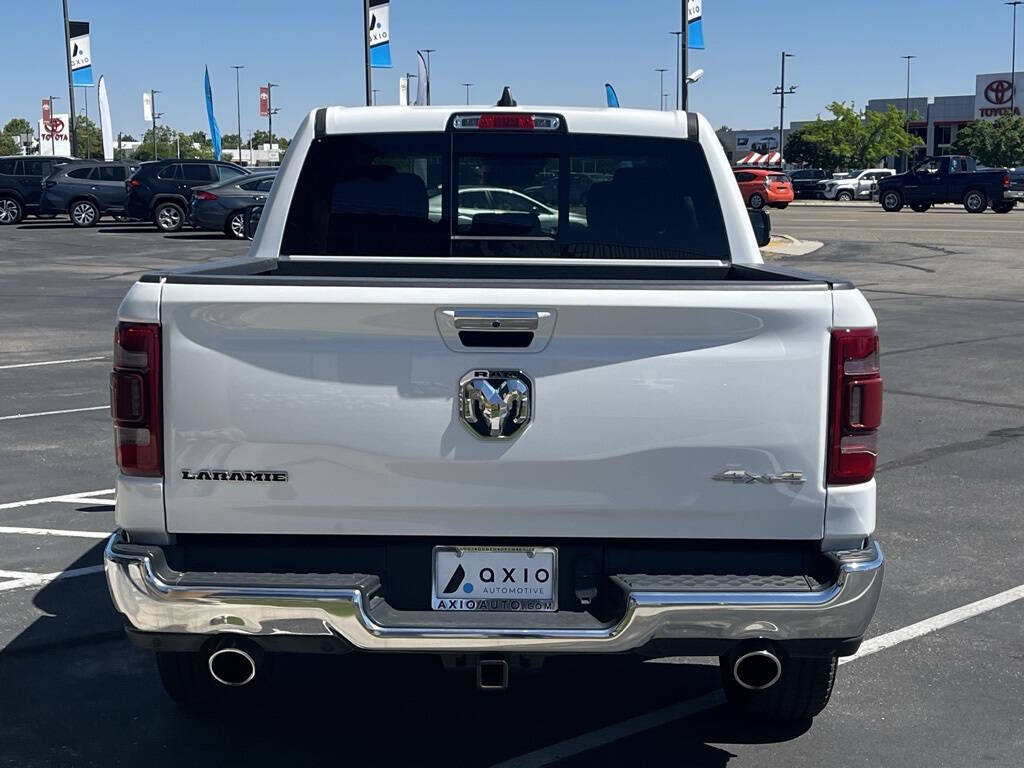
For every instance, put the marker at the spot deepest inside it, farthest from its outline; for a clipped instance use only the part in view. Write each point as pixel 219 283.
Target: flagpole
pixel 72 133
pixel 684 43
pixel 366 50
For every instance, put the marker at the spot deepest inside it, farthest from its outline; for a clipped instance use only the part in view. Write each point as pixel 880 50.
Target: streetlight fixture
pixel 53 145
pixel 467 86
pixel 1013 56
pixel 906 125
pixel 428 51
pixel 270 116
pixel 238 108
pixel 661 89
pixel 781 91
pixel 679 51
pixel 152 105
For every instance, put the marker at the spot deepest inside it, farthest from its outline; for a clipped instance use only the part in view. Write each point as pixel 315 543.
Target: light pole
pixel 684 55
pixel 238 111
pixel 366 51
pixel 375 92
pixel 270 115
pixel 467 86
pixel 428 51
pixel 782 92
pixel 1013 56
pixel 661 89
pixel 152 104
pixel 72 132
pixel 679 48
pixel 906 124
pixel 53 145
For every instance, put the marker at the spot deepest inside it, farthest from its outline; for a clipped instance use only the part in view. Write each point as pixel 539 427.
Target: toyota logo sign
pixel 999 92
pixel 54 127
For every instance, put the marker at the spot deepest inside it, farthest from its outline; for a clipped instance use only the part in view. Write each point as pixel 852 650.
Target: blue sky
pixel 554 52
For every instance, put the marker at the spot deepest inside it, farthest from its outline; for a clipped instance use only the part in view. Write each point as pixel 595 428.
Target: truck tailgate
pixel 640 399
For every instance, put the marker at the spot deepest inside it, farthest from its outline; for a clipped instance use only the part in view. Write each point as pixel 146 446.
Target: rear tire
pixel 920 207
pixel 186 679
pixel 11 211
pixel 975 201
pixel 845 196
pixel 169 217
pixel 235 226
pixel 782 206
pixel 801 693
pixel 756 201
pixel 1004 207
pixel 891 201
pixel 83 213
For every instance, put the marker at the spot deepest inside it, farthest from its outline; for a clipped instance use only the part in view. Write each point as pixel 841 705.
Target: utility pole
pixel 661 88
pixel 238 108
pixel 88 149
pixel 71 88
pixel 782 92
pixel 152 102
pixel 467 86
pixel 679 47
pixel 375 92
pixel 270 114
pixel 1013 57
pixel 428 51
pixel 684 44
pixel 906 122
pixel 366 51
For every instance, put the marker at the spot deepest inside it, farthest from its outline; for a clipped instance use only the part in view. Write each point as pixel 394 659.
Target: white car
pixel 855 186
pixel 388 430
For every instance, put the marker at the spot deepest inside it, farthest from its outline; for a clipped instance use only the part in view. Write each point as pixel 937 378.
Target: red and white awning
pixel 756 158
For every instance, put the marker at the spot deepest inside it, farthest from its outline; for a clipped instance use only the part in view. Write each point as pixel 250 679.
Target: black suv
pixel 21 180
pixel 805 182
pixel 86 190
pixel 160 190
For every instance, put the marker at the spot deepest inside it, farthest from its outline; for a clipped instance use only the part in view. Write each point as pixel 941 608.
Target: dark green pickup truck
pixel 948 179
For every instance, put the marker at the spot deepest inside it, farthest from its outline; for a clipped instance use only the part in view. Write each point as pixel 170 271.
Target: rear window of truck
pixel 503 194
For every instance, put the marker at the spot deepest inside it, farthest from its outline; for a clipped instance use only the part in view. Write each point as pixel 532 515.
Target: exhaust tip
pixel 232 667
pixel 757 670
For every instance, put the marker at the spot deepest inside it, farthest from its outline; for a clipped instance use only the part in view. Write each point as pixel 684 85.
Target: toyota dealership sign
pixel 53 136
pixel 994 95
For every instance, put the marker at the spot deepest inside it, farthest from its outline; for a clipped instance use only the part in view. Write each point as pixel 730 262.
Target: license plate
pixel 494 579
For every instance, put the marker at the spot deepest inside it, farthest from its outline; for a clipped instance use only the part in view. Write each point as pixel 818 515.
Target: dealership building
pixel 937 119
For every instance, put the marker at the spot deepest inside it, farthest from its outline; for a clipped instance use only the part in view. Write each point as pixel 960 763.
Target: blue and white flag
pixel 695 24
pixel 610 95
pixel 80 53
pixel 380 34
pixel 214 128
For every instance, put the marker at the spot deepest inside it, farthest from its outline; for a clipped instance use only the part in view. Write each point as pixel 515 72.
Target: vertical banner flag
pixel 610 95
pixel 46 110
pixel 421 80
pixel 53 136
pixel 147 106
pixel 695 24
pixel 380 34
pixel 214 128
pixel 264 101
pixel 403 91
pixel 105 129
pixel 80 53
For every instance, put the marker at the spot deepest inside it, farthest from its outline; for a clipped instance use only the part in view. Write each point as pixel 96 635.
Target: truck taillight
pixel 1006 181
pixel 135 402
pixel 855 409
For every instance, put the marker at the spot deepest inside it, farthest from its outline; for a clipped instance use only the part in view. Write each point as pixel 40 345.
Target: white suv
pixel 856 186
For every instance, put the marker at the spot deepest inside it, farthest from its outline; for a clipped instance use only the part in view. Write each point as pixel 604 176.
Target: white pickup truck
pixel 423 415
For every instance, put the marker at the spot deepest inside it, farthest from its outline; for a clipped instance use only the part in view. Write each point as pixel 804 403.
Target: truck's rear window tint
pixel 565 195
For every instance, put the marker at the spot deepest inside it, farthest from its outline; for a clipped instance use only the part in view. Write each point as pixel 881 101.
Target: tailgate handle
pixel 495 320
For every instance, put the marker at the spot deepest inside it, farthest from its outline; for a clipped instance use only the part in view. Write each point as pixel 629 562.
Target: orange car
pixel 761 187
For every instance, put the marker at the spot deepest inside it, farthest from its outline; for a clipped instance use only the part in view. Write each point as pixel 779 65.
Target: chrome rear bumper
pixel 156 599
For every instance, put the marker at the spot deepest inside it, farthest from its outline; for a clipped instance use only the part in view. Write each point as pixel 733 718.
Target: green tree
pixel 999 143
pixel 17 126
pixel 88 138
pixel 259 138
pixel 9 145
pixel 852 138
pixel 168 145
pixel 229 141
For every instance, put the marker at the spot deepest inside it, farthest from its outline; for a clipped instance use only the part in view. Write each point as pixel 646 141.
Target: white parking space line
pixel 897 636
pixel 659 717
pixel 41 579
pixel 69 498
pixel 72 534
pixel 54 413
pixel 55 362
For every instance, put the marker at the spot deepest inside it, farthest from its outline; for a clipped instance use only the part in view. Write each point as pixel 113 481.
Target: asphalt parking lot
pixel 941 682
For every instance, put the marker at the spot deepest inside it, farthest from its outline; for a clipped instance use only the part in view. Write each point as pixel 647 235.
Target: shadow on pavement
pixel 74 691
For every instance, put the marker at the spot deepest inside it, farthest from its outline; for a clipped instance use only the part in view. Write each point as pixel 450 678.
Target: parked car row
pixel 207 194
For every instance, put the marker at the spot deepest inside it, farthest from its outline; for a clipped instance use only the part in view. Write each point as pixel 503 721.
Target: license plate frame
pixel 525 593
